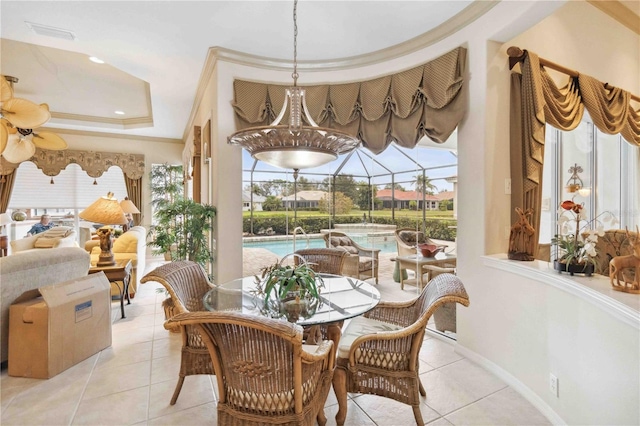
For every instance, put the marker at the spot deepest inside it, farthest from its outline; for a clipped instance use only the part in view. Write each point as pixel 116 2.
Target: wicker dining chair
pixel 264 374
pixel 323 260
pixel 186 282
pixel 378 353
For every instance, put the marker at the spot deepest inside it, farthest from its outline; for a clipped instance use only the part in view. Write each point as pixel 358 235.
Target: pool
pixel 386 244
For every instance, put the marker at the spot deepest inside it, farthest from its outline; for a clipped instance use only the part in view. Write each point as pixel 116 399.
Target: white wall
pixel 519 325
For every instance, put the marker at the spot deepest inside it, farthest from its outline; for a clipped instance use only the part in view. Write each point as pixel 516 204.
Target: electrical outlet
pixel 553 385
pixel 507 186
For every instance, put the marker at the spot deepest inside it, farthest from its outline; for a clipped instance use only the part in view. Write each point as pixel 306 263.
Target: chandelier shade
pixel 296 145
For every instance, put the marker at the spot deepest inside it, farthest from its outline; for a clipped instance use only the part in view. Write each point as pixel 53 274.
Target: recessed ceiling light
pixel 119 112
pixel 96 60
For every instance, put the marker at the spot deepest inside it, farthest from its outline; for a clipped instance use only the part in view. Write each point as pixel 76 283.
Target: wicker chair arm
pixel 287 330
pixel 324 353
pixel 378 342
pixel 365 252
pixel 398 313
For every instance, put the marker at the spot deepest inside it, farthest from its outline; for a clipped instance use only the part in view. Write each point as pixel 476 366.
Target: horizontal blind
pixel 72 188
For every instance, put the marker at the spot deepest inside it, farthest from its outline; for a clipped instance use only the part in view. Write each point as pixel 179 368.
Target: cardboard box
pixel 55 327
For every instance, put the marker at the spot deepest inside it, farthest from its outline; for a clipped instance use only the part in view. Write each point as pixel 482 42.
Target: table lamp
pixel 128 208
pixel 107 211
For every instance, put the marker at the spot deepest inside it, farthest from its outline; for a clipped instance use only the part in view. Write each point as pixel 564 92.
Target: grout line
pixel 467 405
pixel 84 389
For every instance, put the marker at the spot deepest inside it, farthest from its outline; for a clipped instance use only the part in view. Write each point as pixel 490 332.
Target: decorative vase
pixel 294 307
pixel 19 216
pixel 574 268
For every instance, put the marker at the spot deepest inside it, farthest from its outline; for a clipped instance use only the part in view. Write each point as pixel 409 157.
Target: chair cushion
pixel 126 243
pixel 360 326
pixel 411 237
pixel 365 263
pixel 348 249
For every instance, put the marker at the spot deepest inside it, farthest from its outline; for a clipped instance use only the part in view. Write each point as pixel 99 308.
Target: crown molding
pixel 74 132
pixel 111 122
pixel 465 17
pixel 447 28
pixel 619 12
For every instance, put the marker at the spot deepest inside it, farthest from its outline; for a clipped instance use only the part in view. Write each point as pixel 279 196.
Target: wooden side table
pixel 118 273
pixel 4 245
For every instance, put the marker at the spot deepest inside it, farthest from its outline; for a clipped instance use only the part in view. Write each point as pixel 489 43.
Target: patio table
pixel 341 298
pixel 420 265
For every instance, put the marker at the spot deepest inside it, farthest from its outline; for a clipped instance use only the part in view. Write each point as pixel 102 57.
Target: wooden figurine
pixel 521 241
pixel 617 266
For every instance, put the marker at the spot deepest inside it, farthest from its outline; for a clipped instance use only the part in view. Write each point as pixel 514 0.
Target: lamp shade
pixel 105 210
pixel 5 219
pixel 128 206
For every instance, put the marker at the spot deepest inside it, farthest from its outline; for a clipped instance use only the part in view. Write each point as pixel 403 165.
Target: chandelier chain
pixel 294 75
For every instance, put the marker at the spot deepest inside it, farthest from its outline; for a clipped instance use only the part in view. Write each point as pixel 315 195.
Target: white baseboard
pixel 516 384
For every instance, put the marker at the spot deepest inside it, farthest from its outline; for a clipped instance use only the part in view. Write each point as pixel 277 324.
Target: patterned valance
pixel 92 162
pixel 428 100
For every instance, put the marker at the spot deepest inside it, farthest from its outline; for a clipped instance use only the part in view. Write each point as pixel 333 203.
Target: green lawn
pixel 378 213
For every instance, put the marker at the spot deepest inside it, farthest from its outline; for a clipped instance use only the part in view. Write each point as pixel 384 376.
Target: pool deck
pixel 254 259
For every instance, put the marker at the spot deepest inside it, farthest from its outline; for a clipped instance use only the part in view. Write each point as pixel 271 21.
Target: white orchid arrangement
pixel 578 235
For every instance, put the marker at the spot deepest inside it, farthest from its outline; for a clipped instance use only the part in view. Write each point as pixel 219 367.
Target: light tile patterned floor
pixel 131 382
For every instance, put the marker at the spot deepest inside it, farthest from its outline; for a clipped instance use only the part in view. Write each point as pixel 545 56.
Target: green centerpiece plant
pixel 289 291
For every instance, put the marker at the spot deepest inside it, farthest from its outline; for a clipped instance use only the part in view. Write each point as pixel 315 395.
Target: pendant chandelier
pixel 294 145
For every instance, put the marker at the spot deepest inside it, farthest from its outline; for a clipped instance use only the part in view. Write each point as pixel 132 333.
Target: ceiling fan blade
pixel 25 114
pixel 6 91
pixel 18 149
pixel 4 135
pixel 48 140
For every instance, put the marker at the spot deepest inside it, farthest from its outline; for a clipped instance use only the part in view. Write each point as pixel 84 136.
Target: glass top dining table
pixel 341 298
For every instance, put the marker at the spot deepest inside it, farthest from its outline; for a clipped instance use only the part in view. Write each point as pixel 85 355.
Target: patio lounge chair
pixel 361 262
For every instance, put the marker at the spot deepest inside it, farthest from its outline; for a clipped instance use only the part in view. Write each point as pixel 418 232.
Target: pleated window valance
pixel 536 100
pixel 427 100
pixel 93 162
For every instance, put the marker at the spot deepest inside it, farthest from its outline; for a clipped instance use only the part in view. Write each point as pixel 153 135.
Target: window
pixel 610 175
pixel 71 190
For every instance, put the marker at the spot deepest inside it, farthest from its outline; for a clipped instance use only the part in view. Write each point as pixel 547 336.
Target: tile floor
pixel 131 383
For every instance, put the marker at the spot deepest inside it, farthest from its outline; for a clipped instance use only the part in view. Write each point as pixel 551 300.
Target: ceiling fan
pixel 18 122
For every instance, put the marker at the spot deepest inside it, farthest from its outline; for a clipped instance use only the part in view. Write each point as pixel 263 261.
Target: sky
pixel 404 165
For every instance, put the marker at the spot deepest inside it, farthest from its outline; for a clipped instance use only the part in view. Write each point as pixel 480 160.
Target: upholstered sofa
pixel 56 237
pixel 130 245
pixel 32 269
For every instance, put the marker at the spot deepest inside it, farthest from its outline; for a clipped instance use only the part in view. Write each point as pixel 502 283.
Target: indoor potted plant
pixel 577 238
pixel 289 291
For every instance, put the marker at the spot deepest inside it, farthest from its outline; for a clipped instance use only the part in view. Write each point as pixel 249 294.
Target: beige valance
pixel 93 162
pixel 536 100
pixel 428 100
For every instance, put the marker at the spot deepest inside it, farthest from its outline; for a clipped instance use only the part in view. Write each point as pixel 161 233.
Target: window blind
pixel 72 188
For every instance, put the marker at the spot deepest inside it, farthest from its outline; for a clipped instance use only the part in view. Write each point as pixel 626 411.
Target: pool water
pixel 282 248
